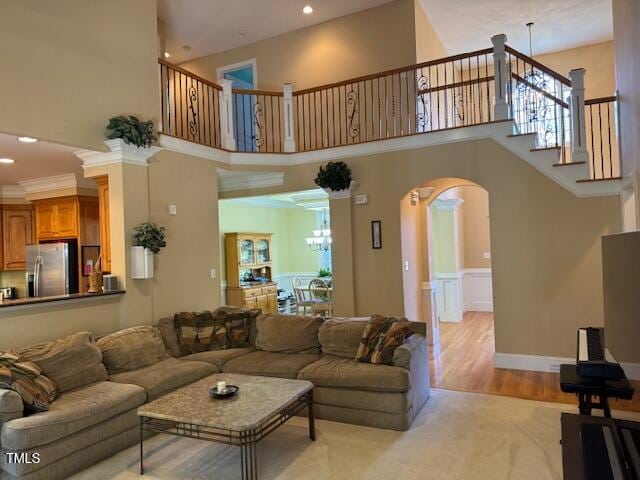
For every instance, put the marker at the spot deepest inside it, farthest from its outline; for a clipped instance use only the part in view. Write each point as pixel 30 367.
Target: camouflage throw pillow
pixel 380 339
pixel 238 325
pixel 26 379
pixel 199 332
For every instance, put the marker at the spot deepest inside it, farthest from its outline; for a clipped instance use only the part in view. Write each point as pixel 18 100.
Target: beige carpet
pixel 456 436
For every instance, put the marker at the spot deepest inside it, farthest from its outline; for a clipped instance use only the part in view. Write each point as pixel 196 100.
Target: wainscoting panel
pixel 449 297
pixel 477 290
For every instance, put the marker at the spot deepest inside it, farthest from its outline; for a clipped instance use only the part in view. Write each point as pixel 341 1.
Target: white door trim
pixel 236 66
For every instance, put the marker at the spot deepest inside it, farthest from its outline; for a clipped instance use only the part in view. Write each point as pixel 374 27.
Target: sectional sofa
pixel 103 383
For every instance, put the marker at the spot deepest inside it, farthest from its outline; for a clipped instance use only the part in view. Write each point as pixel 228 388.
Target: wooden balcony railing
pixel 601 115
pixel 457 91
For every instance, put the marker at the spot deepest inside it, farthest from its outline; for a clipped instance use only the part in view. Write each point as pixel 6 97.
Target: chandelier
pixel 321 239
pixel 536 108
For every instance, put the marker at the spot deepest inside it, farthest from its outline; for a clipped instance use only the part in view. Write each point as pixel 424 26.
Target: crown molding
pixel 56 182
pixel 119 153
pixel 238 180
pixel 11 191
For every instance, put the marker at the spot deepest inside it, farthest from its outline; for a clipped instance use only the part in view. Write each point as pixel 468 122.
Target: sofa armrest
pixel 414 349
pixel 10 405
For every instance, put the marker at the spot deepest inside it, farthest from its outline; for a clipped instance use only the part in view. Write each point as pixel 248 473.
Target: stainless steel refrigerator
pixel 52 269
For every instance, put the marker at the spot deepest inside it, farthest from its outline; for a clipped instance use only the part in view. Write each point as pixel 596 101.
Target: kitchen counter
pixel 58 298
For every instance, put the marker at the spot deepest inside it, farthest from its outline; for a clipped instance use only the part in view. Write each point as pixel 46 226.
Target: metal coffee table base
pixel 247 440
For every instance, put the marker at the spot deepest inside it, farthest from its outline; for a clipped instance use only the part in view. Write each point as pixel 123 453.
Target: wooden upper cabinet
pixel 58 218
pixel 17 233
pixel 105 231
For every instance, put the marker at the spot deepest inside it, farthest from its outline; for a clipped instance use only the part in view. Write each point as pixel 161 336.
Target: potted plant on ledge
pixel 335 178
pixel 148 239
pixel 130 136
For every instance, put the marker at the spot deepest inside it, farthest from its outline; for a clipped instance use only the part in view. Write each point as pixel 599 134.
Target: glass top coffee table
pixel 261 406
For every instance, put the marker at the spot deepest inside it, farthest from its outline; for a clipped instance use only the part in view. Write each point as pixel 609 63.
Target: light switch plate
pixel 172 209
pixel 212 272
pixel 362 199
pixel 486 254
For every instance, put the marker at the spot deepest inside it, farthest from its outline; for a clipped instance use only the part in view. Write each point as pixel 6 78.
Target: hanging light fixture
pixel 537 109
pixel 321 239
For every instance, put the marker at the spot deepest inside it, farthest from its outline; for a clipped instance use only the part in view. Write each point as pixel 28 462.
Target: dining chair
pixel 320 295
pixel 301 295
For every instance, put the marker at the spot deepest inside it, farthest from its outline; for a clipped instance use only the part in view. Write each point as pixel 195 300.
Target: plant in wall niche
pixel 132 130
pixel 149 235
pixel 334 176
pixel 324 272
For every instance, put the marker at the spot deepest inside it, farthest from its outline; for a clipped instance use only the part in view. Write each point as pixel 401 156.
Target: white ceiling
pixel 467 25
pixel 211 26
pixel 315 199
pixel 36 160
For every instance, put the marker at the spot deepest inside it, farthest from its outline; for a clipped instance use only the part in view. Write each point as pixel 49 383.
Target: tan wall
pixel 182 279
pixel 69 65
pixel 428 44
pixel 369 41
pixel 29 325
pixel 547 271
pixel 621 264
pixel 597 59
pixel 475 237
pixel 626 34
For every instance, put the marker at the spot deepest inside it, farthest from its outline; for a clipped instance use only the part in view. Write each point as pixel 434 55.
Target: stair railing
pixel 487 85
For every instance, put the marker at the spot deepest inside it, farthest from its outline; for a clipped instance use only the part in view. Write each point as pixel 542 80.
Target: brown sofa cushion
pixel 71 361
pixel 341 336
pixel 132 348
pixel 252 314
pixel 217 357
pixel 72 412
pixel 380 339
pixel 339 372
pixel 199 332
pixel 26 379
pixel 167 327
pixel 270 364
pixel 288 333
pixel 165 375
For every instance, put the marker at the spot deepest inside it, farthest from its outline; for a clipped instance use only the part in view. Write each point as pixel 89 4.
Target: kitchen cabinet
pixel 105 230
pixel 16 234
pixel 64 217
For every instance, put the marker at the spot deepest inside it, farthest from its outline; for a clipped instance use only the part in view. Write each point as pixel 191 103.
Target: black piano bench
pixel 588 387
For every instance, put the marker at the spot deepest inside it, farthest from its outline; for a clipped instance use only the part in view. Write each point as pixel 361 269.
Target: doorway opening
pixel 297 227
pixel 447 277
pixel 243 76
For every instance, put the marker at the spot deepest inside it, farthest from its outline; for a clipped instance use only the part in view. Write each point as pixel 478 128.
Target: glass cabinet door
pixel 247 252
pixel 263 250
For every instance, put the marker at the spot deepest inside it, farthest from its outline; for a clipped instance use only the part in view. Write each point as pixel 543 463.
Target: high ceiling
pixel 215 26
pixel 463 25
pixel 467 25
pixel 36 160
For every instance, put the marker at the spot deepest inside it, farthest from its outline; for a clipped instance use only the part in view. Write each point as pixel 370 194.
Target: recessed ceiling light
pixel 167 54
pixel 27 139
pixel 7 161
pixel 308 9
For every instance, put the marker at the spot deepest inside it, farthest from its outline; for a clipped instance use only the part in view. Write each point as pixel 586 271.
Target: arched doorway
pixel 447 276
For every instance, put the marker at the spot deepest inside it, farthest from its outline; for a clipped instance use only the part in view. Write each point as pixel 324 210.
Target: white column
pixel 577 114
pixel 226 114
pixel 501 74
pixel 289 140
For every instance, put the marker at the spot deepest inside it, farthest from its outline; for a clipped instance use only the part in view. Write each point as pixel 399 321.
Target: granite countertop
pixel 58 298
pixel 258 400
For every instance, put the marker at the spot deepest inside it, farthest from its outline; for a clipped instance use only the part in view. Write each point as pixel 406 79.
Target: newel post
pixel 226 114
pixel 577 115
pixel 289 140
pixel 501 77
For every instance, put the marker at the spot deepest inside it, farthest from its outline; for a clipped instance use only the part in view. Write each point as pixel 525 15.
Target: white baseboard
pixel 539 363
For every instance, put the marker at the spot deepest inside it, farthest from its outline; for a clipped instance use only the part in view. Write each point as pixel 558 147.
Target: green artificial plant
pixel 131 130
pixel 150 236
pixel 334 175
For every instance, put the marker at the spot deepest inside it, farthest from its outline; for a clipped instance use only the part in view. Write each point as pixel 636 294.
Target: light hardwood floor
pixel 463 360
